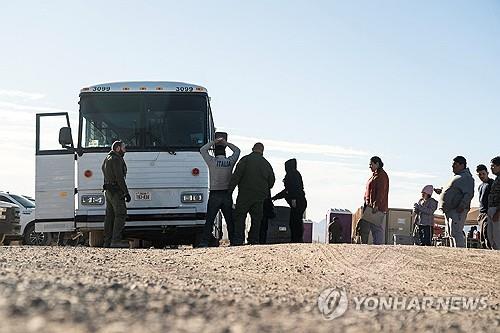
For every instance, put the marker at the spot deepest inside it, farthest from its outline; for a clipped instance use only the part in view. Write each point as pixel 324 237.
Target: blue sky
pixel 329 82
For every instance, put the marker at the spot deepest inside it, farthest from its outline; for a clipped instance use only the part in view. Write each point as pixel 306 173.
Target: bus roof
pixel 144 86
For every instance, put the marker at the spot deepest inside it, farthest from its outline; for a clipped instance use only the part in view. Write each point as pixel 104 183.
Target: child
pixel 424 216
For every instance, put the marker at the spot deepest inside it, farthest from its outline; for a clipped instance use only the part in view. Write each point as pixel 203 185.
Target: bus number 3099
pixel 184 89
pixel 101 88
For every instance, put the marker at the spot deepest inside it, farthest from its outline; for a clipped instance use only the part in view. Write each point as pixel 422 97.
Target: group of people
pixel 254 177
pixel 455 203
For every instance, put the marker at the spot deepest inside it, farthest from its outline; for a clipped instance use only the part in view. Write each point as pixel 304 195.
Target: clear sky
pixel 328 82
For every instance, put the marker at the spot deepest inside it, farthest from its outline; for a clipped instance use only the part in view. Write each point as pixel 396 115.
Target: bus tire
pixel 96 238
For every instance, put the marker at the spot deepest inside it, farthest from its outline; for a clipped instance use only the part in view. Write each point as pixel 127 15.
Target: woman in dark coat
pixel 295 197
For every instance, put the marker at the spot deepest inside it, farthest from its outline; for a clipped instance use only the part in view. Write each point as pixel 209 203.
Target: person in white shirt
pixel 220 170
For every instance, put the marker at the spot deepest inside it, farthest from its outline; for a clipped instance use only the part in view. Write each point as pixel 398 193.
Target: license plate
pixel 143 196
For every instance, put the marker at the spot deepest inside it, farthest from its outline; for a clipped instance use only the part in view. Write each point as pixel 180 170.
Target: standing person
pixel 484 192
pixel 376 199
pixel 220 169
pixel 116 192
pixel 295 197
pixel 424 216
pixel 494 206
pixel 254 177
pixel 335 231
pixel 455 201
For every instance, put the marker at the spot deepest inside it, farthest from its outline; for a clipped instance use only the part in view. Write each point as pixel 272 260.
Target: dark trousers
pixel 247 203
pixel 424 233
pixel 264 225
pixel 296 222
pixel 483 231
pixel 219 200
pixel 116 213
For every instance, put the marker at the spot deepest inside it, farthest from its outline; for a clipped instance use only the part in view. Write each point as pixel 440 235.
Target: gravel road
pixel 240 289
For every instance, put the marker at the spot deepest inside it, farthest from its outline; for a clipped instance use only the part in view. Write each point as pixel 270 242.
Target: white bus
pixel 163 125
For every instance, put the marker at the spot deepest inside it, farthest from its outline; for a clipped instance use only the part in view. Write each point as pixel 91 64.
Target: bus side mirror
pixel 65 137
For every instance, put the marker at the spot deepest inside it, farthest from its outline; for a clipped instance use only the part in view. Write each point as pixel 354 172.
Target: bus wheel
pixel 96 238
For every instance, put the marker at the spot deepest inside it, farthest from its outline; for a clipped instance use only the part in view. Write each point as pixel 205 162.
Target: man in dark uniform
pixel 115 171
pixel 254 177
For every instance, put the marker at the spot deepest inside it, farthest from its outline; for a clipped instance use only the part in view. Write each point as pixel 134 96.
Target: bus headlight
pixel 191 197
pixel 92 199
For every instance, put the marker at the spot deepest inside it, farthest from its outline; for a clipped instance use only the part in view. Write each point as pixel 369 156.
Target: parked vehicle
pixel 29 198
pixel 26 233
pixel 163 125
pixel 9 219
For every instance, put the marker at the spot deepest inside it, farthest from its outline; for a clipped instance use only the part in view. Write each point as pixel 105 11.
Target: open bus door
pixel 55 173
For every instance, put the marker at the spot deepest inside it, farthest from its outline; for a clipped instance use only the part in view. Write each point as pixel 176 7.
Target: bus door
pixel 54 174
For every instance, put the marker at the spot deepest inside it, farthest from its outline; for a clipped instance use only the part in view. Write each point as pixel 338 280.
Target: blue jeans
pixel 454 227
pixel 378 232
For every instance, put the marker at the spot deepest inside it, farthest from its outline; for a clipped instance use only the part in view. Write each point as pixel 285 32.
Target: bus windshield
pixel 145 120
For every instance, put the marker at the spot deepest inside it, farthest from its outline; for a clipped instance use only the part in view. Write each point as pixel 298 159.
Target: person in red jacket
pixel 376 198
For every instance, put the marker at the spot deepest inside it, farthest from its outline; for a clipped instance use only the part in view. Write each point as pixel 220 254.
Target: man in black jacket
pixel 484 192
pixel 295 197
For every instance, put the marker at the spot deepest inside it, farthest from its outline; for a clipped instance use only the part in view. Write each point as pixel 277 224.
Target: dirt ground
pixel 240 289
